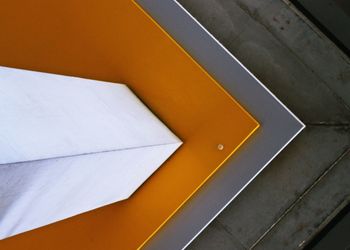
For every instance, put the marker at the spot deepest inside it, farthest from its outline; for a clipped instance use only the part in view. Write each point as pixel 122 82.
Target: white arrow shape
pixel 69 145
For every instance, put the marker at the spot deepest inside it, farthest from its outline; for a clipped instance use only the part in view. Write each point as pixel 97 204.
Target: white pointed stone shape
pixel 69 145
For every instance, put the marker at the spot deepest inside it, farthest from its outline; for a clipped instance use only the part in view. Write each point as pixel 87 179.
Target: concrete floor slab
pixel 305 218
pixel 272 61
pixel 278 186
pixel 312 48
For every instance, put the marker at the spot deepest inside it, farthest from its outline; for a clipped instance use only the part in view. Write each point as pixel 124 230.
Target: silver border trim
pixel 279 126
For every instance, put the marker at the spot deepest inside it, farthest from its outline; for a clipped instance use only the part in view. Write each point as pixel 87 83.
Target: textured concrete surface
pixel 313 208
pixel 336 234
pixel 307 183
pixel 334 15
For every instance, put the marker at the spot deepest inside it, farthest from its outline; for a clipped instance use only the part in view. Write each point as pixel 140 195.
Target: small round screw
pixel 220 147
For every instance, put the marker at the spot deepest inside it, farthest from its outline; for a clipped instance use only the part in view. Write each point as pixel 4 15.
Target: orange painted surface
pixel 113 40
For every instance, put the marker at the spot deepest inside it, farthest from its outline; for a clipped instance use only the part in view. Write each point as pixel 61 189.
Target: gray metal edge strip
pixel 279 126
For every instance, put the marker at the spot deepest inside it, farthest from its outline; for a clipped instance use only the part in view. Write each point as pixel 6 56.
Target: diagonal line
pixel 295 203
pixel 91 153
pixel 228 231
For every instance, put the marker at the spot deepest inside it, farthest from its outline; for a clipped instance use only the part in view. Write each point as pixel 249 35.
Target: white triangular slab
pixel 47 115
pixel 69 145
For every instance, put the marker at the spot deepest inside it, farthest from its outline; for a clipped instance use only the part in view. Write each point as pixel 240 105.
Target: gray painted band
pixel 278 125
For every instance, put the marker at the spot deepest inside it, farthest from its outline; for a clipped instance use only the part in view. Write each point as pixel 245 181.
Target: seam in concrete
pixel 254 17
pixel 327 124
pixel 313 27
pixel 325 222
pixel 227 230
pixel 296 202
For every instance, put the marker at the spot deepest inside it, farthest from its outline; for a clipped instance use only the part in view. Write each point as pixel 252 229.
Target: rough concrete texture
pixel 305 218
pixel 280 66
pixel 285 180
pixel 293 198
pixel 217 237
